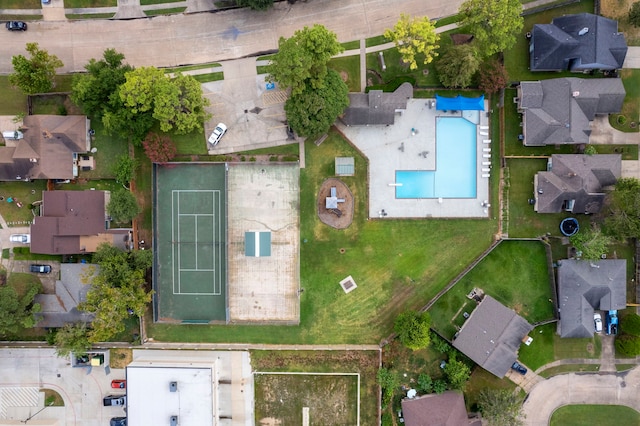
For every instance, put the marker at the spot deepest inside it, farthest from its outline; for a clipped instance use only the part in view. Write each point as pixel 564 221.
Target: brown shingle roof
pixel 446 409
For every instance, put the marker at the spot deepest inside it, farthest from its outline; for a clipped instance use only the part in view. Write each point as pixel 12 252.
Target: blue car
pixel 519 368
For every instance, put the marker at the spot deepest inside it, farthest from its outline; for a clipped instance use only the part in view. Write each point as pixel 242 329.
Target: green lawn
pixel 148 2
pixel 22 282
pixel 396 70
pixel 520 284
pixel 482 379
pixel 569 368
pixel 190 144
pixel 292 149
pixel 89 3
pixel 22 4
pixel 24 192
pixel 13 100
pixel 170 11
pixel 206 78
pixel 578 415
pixel 109 148
pixel 349 68
pixel 23 253
pixel 631 107
pixel 398 264
pixel 351 45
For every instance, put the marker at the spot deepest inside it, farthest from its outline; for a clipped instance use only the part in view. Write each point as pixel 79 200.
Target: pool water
pixel 455 174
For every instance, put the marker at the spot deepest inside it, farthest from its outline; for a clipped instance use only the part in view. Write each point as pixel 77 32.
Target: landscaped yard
pixel 515 273
pixel 398 264
pixel 349 69
pixel 631 107
pixel 24 192
pixel 579 415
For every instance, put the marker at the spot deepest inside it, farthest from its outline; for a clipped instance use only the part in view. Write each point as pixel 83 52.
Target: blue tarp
pixel 460 103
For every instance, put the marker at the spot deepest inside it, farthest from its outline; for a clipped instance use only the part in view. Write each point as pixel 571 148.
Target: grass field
pixel 398 264
pixel 569 368
pixel 578 415
pixel 631 106
pixel 349 69
pixel 505 275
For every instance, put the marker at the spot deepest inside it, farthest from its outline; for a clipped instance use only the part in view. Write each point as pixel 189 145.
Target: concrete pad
pixel 632 60
pixel 54 11
pixel 128 9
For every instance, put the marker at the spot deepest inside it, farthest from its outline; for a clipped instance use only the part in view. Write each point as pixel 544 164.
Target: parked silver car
pixel 20 238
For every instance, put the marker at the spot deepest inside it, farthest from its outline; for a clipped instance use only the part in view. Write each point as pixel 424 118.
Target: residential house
pixel 50 149
pixel 446 409
pixel 75 222
pixel 575 183
pixel 560 110
pixel 61 308
pixel 585 286
pixel 376 107
pixel 492 335
pixel 580 43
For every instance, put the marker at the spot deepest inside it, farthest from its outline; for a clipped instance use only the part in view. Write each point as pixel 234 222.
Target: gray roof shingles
pixel 376 107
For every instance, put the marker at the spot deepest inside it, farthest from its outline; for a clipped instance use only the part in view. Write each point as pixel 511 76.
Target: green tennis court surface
pixel 190 242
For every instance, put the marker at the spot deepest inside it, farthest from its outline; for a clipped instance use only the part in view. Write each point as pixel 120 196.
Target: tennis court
pixel 190 242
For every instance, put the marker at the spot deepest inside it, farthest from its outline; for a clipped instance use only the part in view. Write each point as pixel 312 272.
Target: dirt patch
pixel 120 358
pixel 342 216
pixel 619 10
pixel 344 76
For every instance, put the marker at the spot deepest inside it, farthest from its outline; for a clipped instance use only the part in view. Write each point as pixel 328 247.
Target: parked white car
pixel 20 238
pixel 217 134
pixel 597 319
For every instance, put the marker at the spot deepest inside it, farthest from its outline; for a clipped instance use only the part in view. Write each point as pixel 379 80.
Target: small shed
pixel 345 166
pixel 257 243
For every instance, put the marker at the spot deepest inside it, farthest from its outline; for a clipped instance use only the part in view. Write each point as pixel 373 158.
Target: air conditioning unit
pixel 173 420
pixel 173 386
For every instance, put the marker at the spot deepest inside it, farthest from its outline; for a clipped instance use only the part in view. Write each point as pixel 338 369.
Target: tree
pixel 180 106
pixel 457 66
pixel 72 338
pixel 628 345
pixel 634 14
pixel 425 384
pixel 495 24
pixel 414 37
pixel 302 59
pixel 34 75
pixel 95 91
pixel 313 111
pixel 501 407
pixel 439 344
pixel 457 372
pixel 388 381
pixel 413 329
pixel 591 242
pixel 255 4
pixel 124 169
pixel 159 148
pixel 17 311
pixel 493 76
pixel 439 386
pixel 123 206
pixel 624 209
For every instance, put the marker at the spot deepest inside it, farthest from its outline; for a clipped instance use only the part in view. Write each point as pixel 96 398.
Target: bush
pixel 630 325
pixel 590 150
pixel 634 14
pixel 425 384
pixel 628 345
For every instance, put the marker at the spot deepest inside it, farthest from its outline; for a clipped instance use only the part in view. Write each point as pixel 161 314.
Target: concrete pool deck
pixel 396 147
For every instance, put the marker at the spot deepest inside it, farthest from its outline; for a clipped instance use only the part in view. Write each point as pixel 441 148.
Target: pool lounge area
pixel 429 163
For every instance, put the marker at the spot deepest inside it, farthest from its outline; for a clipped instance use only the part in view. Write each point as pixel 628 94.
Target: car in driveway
pixel 40 269
pixel 118 421
pixel 114 400
pixel 597 321
pixel 20 238
pixel 217 134
pixel 16 26
pixel 516 366
pixel 118 384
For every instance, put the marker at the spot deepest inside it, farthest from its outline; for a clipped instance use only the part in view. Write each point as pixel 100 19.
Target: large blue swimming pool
pixel 455 174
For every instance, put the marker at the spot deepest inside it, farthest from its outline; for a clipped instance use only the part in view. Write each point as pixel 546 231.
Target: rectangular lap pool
pixel 455 174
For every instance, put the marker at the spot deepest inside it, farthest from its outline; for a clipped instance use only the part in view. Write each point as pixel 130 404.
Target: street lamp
pixel 36 413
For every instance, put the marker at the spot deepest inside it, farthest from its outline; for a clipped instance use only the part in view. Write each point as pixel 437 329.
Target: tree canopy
pixel 414 37
pixel 313 111
pixel 123 206
pixel 634 14
pixel 457 373
pixel 117 291
pixel 591 242
pixel 124 169
pixel 492 76
pixel 457 66
pixel 624 209
pixel 94 91
pixel 413 329
pixel 17 311
pixel 302 59
pixel 72 337
pixel 159 148
pixel 500 407
pixel 495 24
pixel 36 73
pixel 255 4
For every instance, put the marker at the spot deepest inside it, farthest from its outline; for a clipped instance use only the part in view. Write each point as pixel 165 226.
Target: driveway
pixel 575 388
pixel 207 37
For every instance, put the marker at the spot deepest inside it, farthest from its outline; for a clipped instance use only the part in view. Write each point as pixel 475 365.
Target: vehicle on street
pixel 519 368
pixel 118 421
pixel 597 320
pixel 40 269
pixel 217 134
pixel 16 26
pixel 114 400
pixel 118 384
pixel 20 238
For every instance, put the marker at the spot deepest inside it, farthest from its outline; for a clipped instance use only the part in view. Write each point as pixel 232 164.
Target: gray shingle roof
pixel 577 43
pixel 585 286
pixel 492 335
pixel 559 111
pixel 376 107
pixel 581 179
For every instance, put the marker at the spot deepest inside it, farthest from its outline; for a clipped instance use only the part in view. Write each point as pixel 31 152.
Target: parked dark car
pixel 519 368
pixel 16 26
pixel 40 269
pixel 116 400
pixel 118 421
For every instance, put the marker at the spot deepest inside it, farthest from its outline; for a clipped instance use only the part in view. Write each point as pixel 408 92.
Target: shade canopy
pixel 460 103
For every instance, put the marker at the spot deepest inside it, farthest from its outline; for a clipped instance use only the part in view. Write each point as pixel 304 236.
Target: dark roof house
pixel 376 107
pixel 559 111
pixel 580 43
pixel 74 222
pixel 446 409
pixel 575 183
pixel 48 150
pixel 585 286
pixel 492 335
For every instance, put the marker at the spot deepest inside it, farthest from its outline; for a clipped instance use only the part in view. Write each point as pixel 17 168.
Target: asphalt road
pixel 207 37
